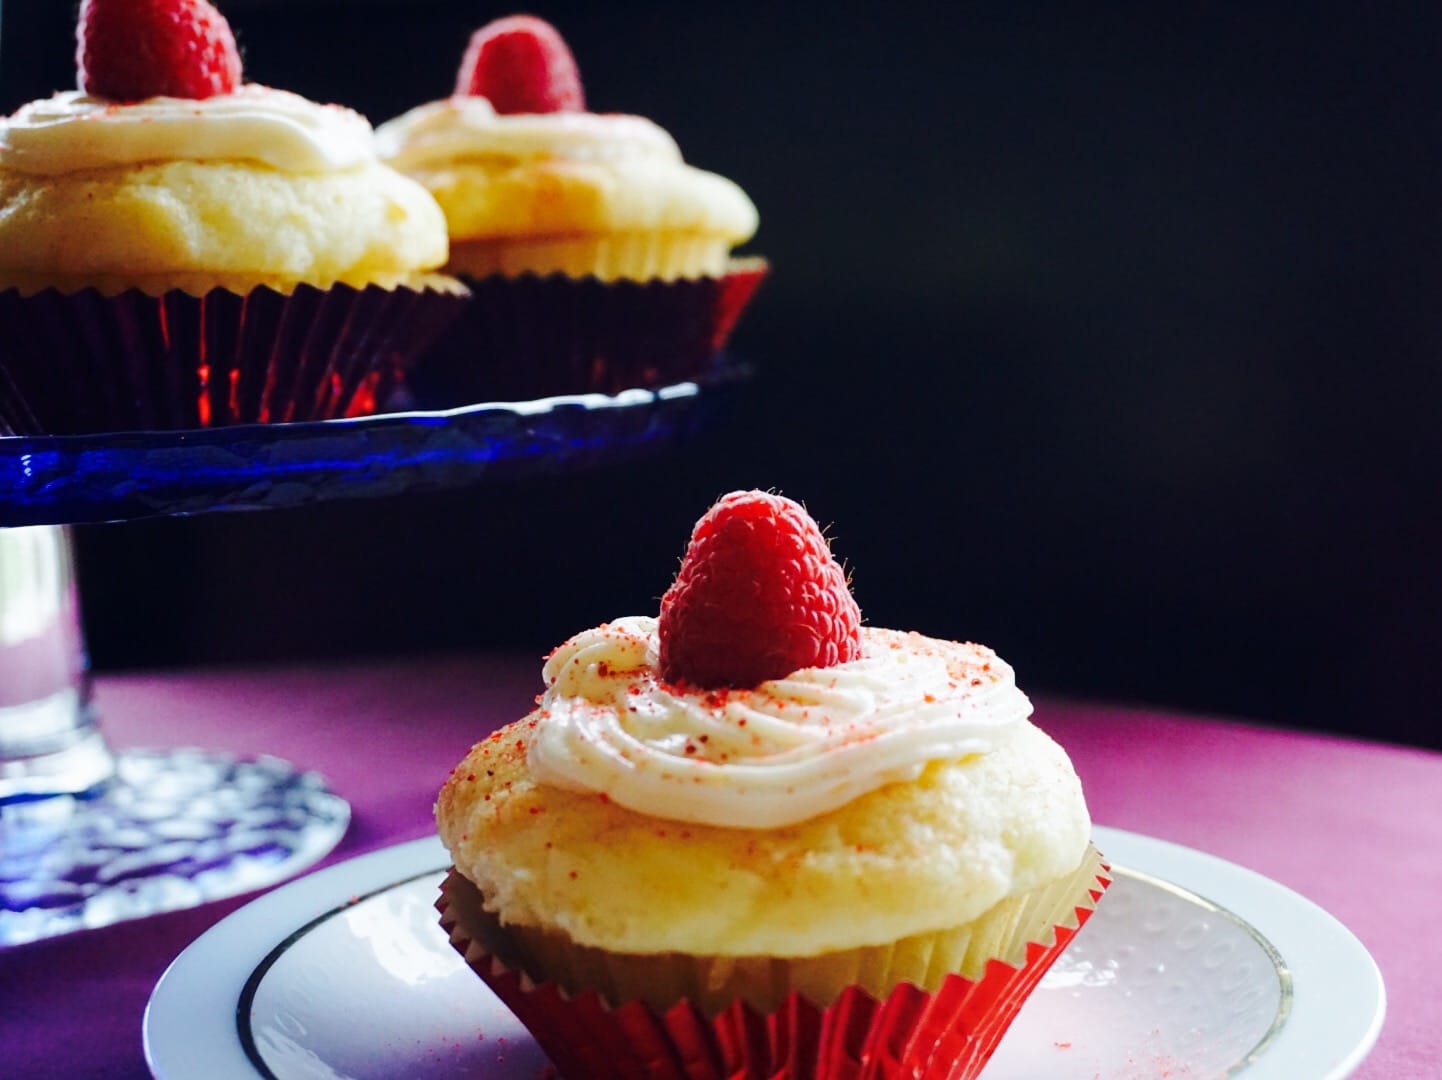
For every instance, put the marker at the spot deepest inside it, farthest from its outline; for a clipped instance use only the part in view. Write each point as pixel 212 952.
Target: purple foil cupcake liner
pixel 83 362
pixel 527 337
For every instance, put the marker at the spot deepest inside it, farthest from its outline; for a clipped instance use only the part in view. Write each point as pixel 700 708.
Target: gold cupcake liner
pixel 633 256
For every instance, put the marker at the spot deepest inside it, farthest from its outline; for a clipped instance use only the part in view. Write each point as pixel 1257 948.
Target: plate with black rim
pixel 1191 966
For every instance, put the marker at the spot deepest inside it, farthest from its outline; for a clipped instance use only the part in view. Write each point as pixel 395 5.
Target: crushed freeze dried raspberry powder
pixel 758 596
pixel 521 64
pixel 129 50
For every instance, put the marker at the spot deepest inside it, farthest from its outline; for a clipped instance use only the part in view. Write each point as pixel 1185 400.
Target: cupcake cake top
pixel 165 170
pixel 757 700
pixel 517 123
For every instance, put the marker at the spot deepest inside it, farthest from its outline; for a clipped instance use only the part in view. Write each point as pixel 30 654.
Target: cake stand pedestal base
pixel 171 829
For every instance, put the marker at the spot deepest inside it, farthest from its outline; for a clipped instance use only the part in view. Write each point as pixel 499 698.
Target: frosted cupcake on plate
pixel 179 248
pixel 750 837
pixel 599 258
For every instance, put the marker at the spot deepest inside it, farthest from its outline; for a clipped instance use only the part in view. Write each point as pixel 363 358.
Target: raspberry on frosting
pixel 521 64
pixel 130 50
pixel 758 596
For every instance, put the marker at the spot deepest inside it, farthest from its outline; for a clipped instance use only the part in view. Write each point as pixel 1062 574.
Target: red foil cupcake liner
pixel 947 1034
pixel 527 337
pixel 73 363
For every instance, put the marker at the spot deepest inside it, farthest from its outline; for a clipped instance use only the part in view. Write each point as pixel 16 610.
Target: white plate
pixel 1191 967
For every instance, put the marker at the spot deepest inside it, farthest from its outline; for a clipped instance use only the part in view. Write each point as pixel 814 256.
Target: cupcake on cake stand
pixel 90 835
pixel 178 249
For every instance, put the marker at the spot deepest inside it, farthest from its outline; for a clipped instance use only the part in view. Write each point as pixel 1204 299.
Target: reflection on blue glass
pixel 127 475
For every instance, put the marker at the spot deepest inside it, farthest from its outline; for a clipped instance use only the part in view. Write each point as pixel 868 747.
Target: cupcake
pixel 179 248
pixel 599 260
pixel 753 838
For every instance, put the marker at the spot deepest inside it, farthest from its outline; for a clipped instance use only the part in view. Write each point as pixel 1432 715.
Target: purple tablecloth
pixel 1356 827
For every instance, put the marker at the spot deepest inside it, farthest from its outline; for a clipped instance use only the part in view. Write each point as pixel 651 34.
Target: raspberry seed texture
pixel 129 50
pixel 758 596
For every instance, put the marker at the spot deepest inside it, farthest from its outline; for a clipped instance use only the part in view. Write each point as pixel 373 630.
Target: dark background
pixel 1109 337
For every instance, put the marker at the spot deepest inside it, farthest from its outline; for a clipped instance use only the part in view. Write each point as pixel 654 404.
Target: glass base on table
pixel 170 829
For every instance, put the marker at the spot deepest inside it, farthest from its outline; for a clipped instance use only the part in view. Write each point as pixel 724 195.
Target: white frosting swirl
pixel 72 131
pixel 784 752
pixel 459 127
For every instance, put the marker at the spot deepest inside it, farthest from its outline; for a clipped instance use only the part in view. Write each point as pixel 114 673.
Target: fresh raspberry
pixel 758 596
pixel 522 65
pixel 129 50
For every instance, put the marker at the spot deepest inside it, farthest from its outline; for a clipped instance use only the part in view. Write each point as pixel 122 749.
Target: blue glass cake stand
pixel 89 836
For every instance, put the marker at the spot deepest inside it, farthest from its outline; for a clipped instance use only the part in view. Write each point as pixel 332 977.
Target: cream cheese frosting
pixel 72 132
pixel 787 751
pixel 468 127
